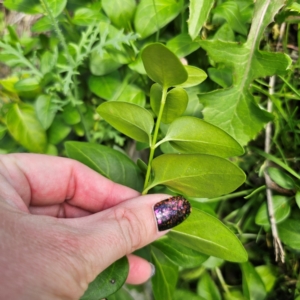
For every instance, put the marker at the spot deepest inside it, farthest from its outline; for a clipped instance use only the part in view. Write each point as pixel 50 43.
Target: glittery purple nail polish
pixel 171 212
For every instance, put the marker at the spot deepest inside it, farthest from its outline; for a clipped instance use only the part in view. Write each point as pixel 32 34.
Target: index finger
pixel 43 180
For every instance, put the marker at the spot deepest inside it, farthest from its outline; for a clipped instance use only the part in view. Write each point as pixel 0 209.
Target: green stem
pixel 57 30
pixel 154 138
pixel 222 281
pixel 61 39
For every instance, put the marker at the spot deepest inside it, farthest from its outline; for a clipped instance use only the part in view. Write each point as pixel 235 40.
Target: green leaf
pixel 28 87
pixel 194 107
pixel 230 11
pixel 213 262
pixel 56 6
pixel 297 197
pixel 111 88
pixel 225 33
pixel 103 64
pixel 294 7
pixel 85 16
pixel 8 83
pixel 234 109
pixel 121 294
pixel 277 161
pixel 199 12
pixel 165 278
pixel 196 175
pixel 3 130
pixel 45 110
pixel 109 281
pixel 222 76
pixel 58 131
pixel 206 234
pixel 130 119
pixel 207 289
pixel 51 150
pixel 120 12
pixel 175 105
pixel 289 233
pixel 268 275
pixel 71 115
pixel 182 45
pixel 41 25
pixel 163 66
pixel 25 6
pixel 48 61
pixel 281 178
pixel 195 77
pixel 253 286
pixel 152 15
pixel 180 255
pixel 110 163
pixel 23 125
pixel 193 135
pixel 281 210
pixel 186 294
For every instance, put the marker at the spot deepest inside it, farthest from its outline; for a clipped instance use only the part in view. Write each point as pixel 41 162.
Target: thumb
pixel 124 228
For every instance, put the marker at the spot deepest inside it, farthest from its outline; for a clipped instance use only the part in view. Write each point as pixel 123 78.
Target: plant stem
pixel 57 30
pixel 154 138
pixel 222 281
pixel 279 251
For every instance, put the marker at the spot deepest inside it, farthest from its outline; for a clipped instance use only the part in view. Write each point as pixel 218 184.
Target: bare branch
pixel 279 251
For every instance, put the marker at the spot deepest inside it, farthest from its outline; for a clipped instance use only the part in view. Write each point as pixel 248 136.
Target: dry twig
pixel 279 251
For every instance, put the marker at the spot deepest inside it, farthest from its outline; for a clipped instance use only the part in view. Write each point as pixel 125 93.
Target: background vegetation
pixel 62 59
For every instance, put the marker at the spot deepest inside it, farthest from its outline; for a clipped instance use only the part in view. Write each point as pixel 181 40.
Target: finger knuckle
pixel 131 228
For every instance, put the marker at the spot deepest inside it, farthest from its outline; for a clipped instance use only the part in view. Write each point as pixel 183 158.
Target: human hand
pixel 61 224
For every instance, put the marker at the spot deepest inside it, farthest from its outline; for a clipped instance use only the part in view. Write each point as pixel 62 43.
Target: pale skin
pixel 61 224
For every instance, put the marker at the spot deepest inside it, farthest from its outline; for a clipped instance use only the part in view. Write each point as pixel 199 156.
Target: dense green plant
pixel 83 81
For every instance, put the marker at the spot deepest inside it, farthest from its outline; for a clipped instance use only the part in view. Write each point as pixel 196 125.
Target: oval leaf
pixel 289 233
pixel 175 105
pixel 196 175
pixel 163 66
pixel 110 87
pixel 180 255
pixel 149 18
pixel 28 87
pixel 108 162
pixel 23 125
pixel 120 12
pixel 281 210
pixel 109 281
pixel 195 77
pixel 130 119
pixel 165 278
pixel 199 11
pixel 206 234
pixel 58 130
pixel 45 110
pixel 281 178
pixel 103 64
pixel 56 6
pixel 193 135
pixel 182 45
pixel 207 288
pixel 253 286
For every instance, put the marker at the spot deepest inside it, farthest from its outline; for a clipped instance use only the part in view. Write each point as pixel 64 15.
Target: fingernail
pixel 171 212
pixel 152 269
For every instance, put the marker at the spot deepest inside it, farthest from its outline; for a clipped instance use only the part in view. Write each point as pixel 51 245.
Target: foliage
pixel 184 84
